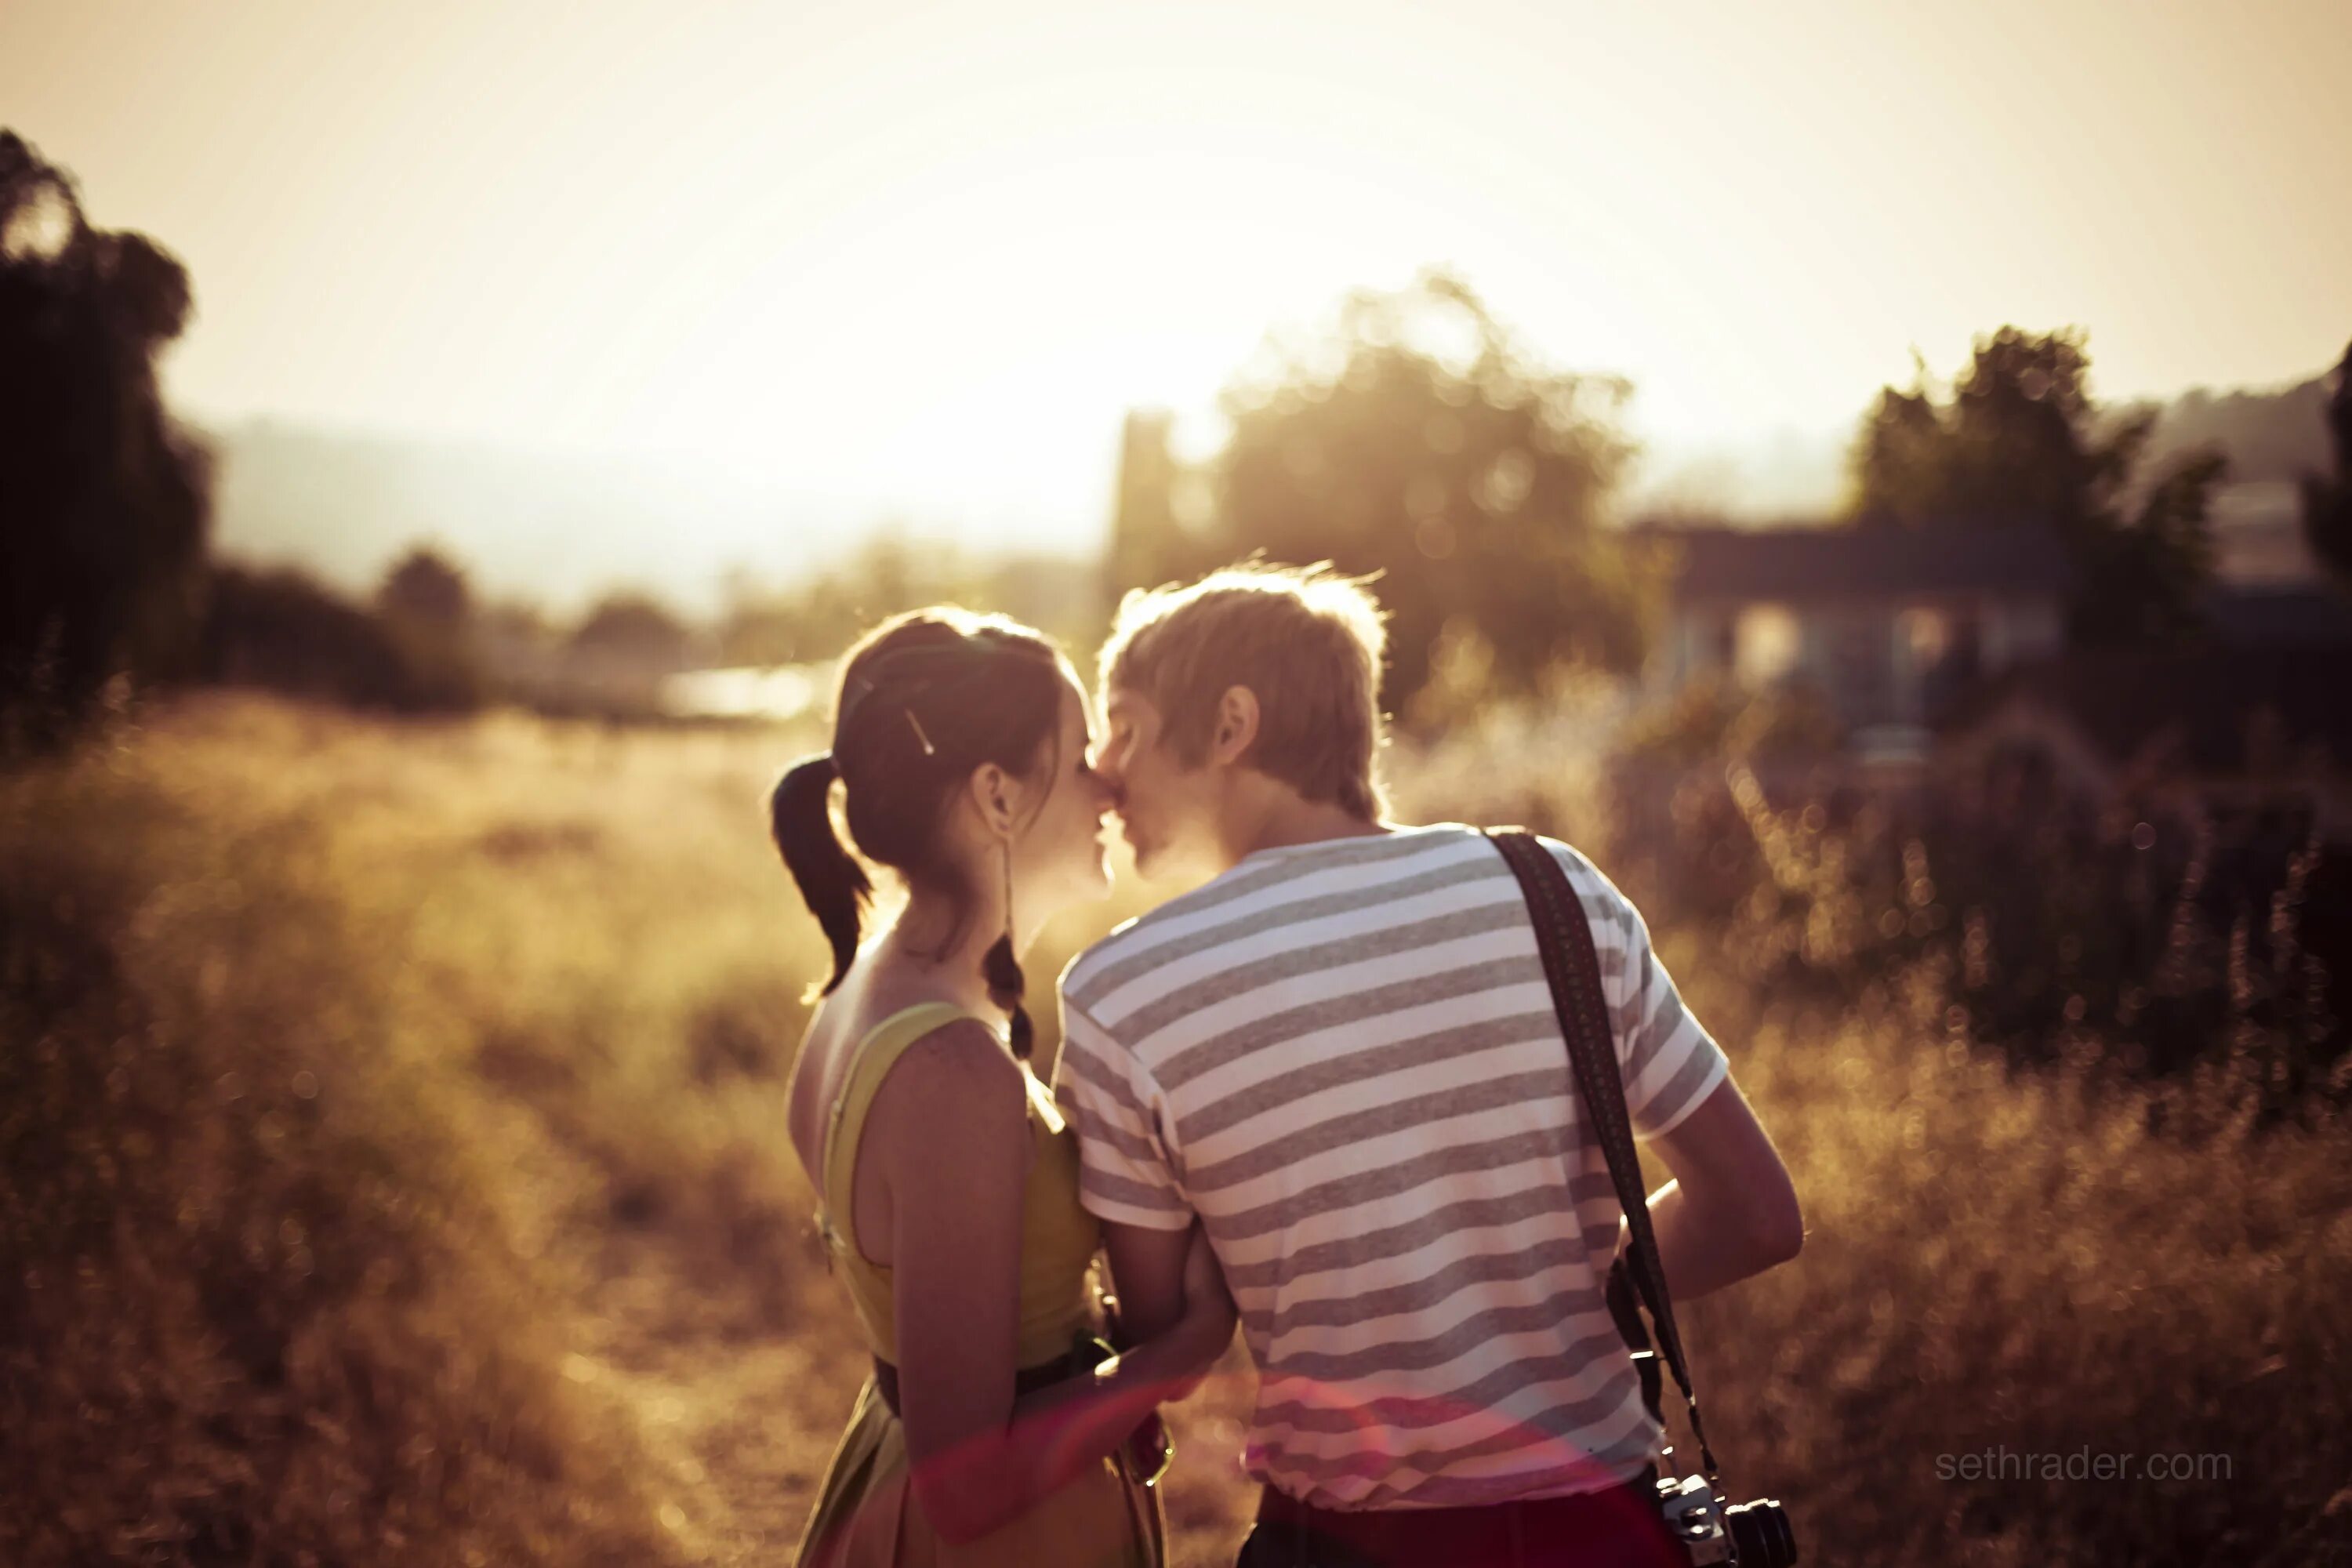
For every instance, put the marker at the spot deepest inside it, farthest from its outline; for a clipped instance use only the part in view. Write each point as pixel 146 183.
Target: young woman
pixel 947 1178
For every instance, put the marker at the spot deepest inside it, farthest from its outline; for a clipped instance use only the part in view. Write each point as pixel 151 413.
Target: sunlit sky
pixel 921 257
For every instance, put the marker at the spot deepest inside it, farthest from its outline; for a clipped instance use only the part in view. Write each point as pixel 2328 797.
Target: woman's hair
pixel 924 697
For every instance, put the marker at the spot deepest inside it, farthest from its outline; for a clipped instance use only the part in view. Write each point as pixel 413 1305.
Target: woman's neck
pixel 926 938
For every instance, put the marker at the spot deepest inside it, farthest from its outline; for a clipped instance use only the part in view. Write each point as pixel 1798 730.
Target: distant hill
pixel 2271 436
pixel 556 530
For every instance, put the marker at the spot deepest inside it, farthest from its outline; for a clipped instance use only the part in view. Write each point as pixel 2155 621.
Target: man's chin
pixel 1144 852
pixel 1161 865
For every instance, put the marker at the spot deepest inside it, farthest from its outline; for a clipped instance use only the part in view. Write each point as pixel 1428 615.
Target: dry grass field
pixel 392 1172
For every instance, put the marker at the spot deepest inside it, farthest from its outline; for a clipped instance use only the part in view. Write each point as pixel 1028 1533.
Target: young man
pixel 1341 1055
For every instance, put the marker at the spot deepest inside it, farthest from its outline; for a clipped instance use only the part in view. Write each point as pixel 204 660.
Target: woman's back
pixel 841 1024
pixel 842 1109
pixel 865 1516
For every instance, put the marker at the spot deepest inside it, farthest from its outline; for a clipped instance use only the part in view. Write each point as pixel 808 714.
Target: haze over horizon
pixel 916 260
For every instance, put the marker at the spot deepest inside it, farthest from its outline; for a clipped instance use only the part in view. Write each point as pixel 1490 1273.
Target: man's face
pixel 1165 810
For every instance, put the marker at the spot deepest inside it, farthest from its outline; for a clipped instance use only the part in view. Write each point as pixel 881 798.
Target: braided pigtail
pixel 1006 986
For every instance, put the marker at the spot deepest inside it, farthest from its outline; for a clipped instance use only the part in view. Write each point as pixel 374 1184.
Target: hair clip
pixel 929 750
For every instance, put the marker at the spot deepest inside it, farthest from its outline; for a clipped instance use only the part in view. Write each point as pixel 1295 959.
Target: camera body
pixel 1744 1535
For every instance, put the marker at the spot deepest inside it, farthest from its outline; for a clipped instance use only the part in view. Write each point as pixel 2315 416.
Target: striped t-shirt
pixel 1343 1058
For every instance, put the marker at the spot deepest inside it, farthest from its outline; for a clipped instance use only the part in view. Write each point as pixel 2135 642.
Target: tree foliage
pixel 106 502
pixel 2327 501
pixel 1423 442
pixel 1152 540
pixel 425 587
pixel 2020 441
pixel 634 627
pixel 819 616
pixel 283 630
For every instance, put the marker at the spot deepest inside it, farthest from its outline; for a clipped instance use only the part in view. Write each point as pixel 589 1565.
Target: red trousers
pixel 1615 1528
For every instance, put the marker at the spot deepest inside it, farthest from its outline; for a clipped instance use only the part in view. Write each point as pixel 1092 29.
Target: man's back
pixel 1342 1055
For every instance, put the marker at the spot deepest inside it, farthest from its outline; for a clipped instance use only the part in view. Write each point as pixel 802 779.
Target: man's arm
pixel 1156 1275
pixel 1731 1210
pixel 1146 1272
pixel 1149 1228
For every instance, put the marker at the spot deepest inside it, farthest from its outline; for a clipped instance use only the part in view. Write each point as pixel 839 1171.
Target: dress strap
pixel 870 1062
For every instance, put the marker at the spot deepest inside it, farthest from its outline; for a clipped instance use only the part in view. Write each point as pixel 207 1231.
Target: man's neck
pixel 1290 821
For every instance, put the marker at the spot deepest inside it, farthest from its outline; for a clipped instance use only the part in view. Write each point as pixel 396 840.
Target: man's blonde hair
pixel 1306 640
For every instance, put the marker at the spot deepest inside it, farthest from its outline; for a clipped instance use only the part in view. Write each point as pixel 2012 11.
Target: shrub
pixel 284 631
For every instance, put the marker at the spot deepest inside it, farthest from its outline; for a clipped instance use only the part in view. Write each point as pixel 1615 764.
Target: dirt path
pixel 739 1419
pixel 738 1422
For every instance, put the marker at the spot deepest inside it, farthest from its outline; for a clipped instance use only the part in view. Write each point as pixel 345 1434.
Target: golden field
pixel 391 1171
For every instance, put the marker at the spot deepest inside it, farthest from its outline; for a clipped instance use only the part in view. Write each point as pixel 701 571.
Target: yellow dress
pixel 867 1515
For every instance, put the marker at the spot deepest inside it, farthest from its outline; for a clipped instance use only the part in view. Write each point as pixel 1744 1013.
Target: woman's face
pixel 1061 854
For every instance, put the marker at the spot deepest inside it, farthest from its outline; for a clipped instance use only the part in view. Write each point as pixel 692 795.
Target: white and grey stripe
pixel 1342 1058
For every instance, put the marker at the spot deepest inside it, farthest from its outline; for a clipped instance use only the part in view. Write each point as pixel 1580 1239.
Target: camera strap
pixel 1573 969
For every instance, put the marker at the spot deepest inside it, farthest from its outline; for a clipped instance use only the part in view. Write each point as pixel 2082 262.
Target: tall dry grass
pixel 392 1138
pixel 264 1299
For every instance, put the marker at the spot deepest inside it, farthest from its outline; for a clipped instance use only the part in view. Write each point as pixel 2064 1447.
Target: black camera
pixel 1745 1534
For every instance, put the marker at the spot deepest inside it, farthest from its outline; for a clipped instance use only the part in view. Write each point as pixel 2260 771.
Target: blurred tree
pixel 2020 441
pixel 892 572
pixel 635 628
pixel 284 631
pixel 2327 500
pixel 1151 541
pixel 1425 443
pixel 107 504
pixel 1712 719
pixel 428 611
pixel 758 627
pixel 425 588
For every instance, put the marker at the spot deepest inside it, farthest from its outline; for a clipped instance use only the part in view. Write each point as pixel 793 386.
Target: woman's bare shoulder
pixel 962 1062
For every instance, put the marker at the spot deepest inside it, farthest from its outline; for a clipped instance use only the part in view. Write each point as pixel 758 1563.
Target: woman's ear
pixel 1236 726
pixel 996 795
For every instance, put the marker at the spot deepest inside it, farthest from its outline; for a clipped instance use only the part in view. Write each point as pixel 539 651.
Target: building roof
pixel 1785 564
pixel 2213 708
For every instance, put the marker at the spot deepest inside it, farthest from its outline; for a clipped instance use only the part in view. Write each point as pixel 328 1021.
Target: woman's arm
pixel 954 1138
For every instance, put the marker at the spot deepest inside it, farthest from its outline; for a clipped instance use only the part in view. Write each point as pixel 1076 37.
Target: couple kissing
pixel 1322 1096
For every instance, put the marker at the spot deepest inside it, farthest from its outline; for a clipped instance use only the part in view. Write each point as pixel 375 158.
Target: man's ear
pixel 1236 726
